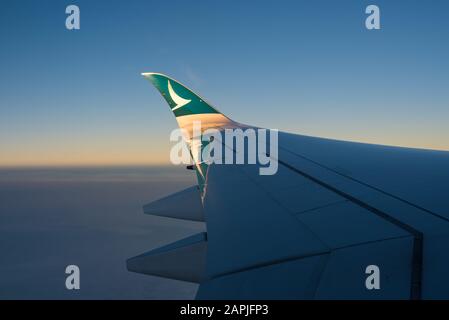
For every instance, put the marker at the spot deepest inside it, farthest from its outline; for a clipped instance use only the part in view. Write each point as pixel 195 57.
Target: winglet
pixel 182 100
pixel 190 111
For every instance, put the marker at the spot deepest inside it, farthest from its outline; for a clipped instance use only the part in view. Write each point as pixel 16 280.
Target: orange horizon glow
pixel 159 156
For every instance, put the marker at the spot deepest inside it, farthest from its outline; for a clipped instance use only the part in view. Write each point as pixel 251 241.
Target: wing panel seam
pixel 416 276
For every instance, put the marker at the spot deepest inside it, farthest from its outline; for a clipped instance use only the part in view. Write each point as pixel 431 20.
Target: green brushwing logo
pixel 179 101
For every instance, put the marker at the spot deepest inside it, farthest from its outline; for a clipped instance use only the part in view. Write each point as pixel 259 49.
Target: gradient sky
pixel 310 67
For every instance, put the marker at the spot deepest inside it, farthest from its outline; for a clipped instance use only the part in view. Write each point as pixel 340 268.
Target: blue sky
pixel 310 67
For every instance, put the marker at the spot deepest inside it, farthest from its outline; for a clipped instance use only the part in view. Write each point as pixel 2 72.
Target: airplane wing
pixel 315 229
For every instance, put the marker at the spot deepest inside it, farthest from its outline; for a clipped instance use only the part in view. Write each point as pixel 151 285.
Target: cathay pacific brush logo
pixel 180 101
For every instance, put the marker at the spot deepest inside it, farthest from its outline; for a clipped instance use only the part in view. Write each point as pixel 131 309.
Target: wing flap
pixel 292 279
